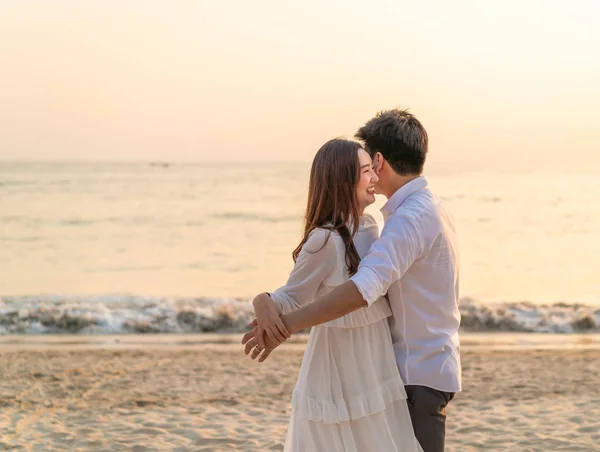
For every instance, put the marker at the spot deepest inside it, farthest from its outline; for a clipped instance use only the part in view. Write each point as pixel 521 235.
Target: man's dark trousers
pixel 427 407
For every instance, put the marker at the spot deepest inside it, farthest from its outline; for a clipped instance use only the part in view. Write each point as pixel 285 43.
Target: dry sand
pixel 201 394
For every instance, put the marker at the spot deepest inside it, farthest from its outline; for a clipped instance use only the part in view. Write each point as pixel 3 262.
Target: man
pixel 415 261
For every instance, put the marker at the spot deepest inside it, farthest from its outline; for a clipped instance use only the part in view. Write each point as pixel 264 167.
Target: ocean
pixel 183 247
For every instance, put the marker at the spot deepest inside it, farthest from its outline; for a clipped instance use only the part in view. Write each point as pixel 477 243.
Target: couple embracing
pixel 382 359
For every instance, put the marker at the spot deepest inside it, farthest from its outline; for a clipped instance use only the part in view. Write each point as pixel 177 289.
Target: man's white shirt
pixel 416 261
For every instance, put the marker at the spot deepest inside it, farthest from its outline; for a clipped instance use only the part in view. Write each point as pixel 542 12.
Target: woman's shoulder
pixel 367 222
pixel 320 239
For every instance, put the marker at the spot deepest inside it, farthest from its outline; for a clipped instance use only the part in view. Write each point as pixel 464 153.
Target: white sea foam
pixel 111 314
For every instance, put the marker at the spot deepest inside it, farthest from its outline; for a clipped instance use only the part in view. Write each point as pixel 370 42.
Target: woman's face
pixel 365 189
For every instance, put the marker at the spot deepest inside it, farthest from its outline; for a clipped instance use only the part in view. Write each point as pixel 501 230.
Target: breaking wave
pixel 119 314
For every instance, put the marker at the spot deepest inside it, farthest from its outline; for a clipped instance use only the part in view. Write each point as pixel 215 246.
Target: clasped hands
pixel 268 330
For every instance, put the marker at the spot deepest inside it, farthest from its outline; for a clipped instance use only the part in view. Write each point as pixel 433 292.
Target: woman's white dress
pixel 349 396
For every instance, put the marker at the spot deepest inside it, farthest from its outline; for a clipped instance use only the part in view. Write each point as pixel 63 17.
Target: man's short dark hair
pixel 400 137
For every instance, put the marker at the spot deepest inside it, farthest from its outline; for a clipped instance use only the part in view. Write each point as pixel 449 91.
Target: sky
pixel 511 82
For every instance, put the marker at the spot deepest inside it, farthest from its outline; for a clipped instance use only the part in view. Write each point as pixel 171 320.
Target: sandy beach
pixel 199 393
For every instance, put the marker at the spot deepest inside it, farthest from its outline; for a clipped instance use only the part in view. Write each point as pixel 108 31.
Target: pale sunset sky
pixel 514 82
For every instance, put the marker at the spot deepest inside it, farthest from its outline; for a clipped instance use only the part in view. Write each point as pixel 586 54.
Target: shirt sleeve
pixel 316 260
pixel 403 240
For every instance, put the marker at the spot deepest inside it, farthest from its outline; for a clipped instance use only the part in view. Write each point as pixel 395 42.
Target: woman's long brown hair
pixel 332 202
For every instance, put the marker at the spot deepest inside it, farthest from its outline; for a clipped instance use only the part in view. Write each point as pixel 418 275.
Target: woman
pixel 349 395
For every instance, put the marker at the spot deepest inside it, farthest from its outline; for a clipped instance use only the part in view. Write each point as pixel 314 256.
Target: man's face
pixel 377 165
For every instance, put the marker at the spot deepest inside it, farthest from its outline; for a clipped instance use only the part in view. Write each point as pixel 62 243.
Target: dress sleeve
pixel 317 259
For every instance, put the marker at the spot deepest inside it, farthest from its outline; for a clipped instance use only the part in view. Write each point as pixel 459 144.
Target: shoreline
pixel 231 341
